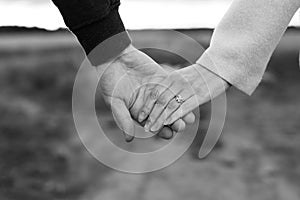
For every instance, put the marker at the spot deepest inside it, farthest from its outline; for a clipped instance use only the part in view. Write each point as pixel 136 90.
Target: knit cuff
pixel 103 39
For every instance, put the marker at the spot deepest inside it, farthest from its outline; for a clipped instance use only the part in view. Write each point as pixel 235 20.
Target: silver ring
pixel 179 99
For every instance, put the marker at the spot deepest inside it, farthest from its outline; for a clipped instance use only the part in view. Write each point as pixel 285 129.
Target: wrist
pixel 118 59
pixel 202 69
pixel 215 84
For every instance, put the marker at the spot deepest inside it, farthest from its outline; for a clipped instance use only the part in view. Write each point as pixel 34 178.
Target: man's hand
pixel 125 84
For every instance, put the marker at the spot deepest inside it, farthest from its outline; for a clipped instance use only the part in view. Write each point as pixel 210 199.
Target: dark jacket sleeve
pixel 93 22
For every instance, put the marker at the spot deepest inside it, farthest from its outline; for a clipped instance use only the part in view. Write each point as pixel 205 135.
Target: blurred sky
pixel 136 14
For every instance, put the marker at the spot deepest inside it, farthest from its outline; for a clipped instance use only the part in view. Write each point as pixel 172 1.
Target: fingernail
pixel 141 116
pixel 147 126
pixel 154 128
pixel 128 138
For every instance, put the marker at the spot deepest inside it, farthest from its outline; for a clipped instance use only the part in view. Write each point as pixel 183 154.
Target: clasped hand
pixel 138 89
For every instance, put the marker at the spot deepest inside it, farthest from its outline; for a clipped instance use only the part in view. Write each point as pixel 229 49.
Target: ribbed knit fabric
pixel 94 22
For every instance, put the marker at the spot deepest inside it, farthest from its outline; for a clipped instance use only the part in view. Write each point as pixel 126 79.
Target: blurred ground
pixel 42 157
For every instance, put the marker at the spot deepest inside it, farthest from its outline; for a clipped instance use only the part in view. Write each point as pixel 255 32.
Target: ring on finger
pixel 179 99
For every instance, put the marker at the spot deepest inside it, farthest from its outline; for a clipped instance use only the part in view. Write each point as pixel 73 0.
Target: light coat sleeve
pixel 245 39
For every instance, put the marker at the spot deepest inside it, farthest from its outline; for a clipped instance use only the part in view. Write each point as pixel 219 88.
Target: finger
pixel 123 119
pixel 166 133
pixel 138 103
pixel 158 123
pixel 159 107
pixel 185 108
pixel 151 99
pixel 189 118
pixel 178 125
pixel 172 106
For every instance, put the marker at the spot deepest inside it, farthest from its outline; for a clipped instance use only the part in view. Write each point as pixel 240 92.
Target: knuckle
pixel 199 91
pixel 146 110
pixel 161 101
pixel 154 94
pixel 202 92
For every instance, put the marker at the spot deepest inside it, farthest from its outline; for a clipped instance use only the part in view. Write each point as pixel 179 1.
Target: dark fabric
pixel 94 21
pixel 95 33
pixel 109 49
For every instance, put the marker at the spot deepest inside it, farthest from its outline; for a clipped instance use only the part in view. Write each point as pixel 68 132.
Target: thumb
pixel 123 119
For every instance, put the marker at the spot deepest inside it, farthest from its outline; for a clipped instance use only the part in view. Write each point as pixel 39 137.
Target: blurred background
pixel 257 157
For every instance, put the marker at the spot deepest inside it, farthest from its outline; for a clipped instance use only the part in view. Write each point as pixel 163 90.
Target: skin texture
pixel 195 84
pixel 125 84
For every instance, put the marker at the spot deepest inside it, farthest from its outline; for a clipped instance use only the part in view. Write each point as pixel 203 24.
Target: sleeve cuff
pixel 245 81
pixel 103 39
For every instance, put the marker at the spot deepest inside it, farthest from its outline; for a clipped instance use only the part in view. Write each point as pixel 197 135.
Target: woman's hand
pixel 179 94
